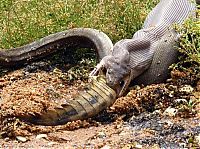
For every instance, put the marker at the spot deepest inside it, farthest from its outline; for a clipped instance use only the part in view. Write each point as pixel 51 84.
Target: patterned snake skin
pixel 151 50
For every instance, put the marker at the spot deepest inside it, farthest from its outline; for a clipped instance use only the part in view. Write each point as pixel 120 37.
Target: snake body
pixel 147 58
pixel 86 104
pixel 75 38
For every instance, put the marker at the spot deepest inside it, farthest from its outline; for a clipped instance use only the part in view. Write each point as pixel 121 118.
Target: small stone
pixel 106 147
pixel 170 112
pixel 12 78
pixel 101 134
pixel 157 112
pixel 21 139
pixel 186 89
pixel 181 101
pixel 137 87
pixel 138 146
pixel 6 139
pixel 197 138
pixel 155 146
pixel 171 94
pixel 169 80
pixel 118 126
pixel 183 145
pixel 51 143
pixel 41 136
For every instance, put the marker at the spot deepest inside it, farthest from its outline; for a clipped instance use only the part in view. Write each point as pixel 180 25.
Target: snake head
pixel 118 75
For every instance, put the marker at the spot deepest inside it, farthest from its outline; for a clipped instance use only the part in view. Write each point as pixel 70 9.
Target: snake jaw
pixel 119 87
pixel 123 85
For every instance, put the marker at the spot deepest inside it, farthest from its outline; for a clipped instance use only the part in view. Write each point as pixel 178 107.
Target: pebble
pixel 171 94
pixel 106 147
pixel 181 101
pixel 6 139
pixel 101 134
pixel 197 138
pixel 157 112
pixel 155 146
pixel 138 146
pixel 41 136
pixel 170 112
pixel 51 143
pixel 186 89
pixel 21 139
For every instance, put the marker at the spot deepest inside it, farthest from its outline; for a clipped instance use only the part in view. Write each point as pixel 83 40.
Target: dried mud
pixel 156 116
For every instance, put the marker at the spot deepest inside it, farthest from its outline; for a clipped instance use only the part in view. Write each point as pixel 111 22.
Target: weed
pixel 189 44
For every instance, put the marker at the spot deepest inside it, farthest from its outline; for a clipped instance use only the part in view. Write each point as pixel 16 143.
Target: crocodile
pixel 97 96
pixel 144 59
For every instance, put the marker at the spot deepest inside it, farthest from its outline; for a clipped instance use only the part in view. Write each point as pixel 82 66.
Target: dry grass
pixel 23 21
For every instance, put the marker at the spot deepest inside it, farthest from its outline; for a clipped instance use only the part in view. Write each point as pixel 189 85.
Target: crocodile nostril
pixel 110 83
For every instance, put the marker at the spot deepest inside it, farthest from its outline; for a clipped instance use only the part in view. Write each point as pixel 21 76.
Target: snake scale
pixel 143 59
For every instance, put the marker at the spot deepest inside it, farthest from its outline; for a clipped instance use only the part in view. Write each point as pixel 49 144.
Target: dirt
pixel 162 115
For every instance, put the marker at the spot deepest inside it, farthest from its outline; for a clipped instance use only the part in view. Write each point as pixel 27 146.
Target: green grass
pixel 23 21
pixel 189 48
pixel 189 44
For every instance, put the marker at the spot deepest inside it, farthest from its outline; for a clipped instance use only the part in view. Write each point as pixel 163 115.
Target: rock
pixel 197 138
pixel 51 143
pixel 106 147
pixel 41 136
pixel 187 89
pixel 170 112
pixel 157 112
pixel 181 101
pixel 21 139
pixel 155 146
pixel 171 94
pixel 101 134
pixel 6 139
pixel 138 146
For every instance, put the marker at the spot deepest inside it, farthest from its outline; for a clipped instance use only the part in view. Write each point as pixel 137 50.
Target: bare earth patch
pixel 154 116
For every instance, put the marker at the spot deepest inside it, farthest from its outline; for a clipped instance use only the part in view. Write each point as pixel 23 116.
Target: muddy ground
pixel 156 116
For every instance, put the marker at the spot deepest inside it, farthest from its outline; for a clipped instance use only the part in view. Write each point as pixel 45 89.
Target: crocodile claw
pixel 97 69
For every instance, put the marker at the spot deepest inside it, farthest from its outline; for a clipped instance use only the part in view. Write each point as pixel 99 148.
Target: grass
pixel 189 48
pixel 189 44
pixel 23 21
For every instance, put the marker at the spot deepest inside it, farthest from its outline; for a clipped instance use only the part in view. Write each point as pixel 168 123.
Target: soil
pixel 162 115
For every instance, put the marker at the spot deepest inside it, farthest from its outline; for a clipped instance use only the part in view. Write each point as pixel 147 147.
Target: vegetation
pixel 23 21
pixel 189 47
pixel 189 44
